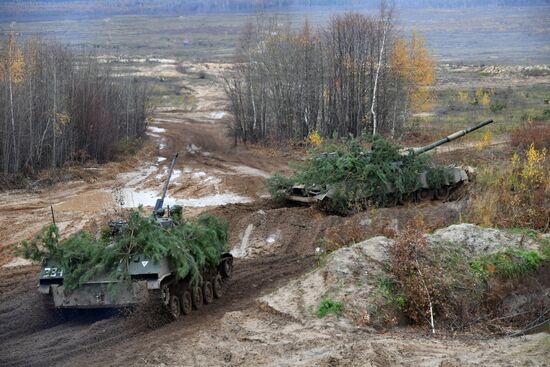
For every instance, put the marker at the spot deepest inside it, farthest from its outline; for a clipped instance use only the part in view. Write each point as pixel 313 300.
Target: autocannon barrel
pixel 451 137
pixel 160 202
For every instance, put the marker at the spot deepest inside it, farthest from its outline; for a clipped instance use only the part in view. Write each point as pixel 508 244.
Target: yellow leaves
pixel 483 96
pixel 12 64
pixel 485 141
pixel 534 169
pixel 464 96
pixel 485 100
pixel 314 138
pixel 400 57
pixel 63 118
pixel 417 67
pixel 515 194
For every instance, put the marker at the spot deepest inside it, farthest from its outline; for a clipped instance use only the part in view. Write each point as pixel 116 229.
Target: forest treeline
pixel 57 106
pixel 19 10
pixel 356 75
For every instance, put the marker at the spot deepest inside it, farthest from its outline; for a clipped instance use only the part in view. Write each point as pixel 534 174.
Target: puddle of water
pixel 198 175
pixel 193 149
pixel 250 171
pixel 217 115
pixel 155 129
pixel 274 237
pixel 215 200
pixel 160 159
pixel 163 61
pixel 242 250
pixel 134 198
pixel 137 177
pixel 176 174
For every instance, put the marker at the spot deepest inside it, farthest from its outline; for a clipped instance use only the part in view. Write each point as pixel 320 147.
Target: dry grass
pixel 516 194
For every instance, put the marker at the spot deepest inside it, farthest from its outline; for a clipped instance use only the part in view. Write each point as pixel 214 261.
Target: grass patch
pixel 507 264
pixel 328 306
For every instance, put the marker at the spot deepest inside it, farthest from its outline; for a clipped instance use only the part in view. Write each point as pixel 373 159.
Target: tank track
pixel 178 298
pixel 445 194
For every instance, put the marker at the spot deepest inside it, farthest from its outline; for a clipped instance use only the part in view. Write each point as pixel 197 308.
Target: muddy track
pixel 33 334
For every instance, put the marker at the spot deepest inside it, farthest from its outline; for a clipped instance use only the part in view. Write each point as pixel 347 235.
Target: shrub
pixel 542 116
pixel 328 306
pixel 456 286
pixel 437 277
pixel 507 264
pixel 536 133
pixel 516 195
pixel 497 106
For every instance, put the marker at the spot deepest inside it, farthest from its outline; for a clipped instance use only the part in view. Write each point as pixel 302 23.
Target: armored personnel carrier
pixel 146 278
pixel 429 182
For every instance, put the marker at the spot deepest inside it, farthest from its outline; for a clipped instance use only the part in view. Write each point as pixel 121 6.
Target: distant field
pixel 503 35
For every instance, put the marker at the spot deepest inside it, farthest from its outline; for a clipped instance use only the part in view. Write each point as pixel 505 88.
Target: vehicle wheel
pixel 207 292
pixel 425 195
pixel 226 268
pixel 442 193
pixel 186 303
pixel 390 201
pixel 165 294
pixel 197 298
pixel 175 309
pixel 217 286
pixel 407 198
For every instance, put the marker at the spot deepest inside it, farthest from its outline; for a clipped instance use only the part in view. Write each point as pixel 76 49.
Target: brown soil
pixel 234 330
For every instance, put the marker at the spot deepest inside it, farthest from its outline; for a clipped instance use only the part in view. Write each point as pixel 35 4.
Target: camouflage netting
pixel 193 246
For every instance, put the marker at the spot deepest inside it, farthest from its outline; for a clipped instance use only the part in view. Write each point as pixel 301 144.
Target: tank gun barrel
pixel 450 138
pixel 160 202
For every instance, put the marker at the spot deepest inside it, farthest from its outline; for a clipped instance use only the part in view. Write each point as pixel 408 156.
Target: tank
pixel 452 181
pixel 150 280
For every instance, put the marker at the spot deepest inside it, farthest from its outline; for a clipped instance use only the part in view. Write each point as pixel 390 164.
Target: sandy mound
pixel 354 276
pixel 479 240
pixel 349 276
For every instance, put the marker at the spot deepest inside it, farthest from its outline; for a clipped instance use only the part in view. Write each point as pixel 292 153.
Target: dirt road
pixel 274 245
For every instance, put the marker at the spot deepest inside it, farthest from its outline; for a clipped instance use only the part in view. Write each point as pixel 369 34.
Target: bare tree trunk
pixel 373 105
pixel 54 113
pixel 15 158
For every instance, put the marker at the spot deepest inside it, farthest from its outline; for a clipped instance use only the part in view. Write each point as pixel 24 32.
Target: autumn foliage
pixel 517 195
pixel 416 66
pixel 57 106
pixel 355 76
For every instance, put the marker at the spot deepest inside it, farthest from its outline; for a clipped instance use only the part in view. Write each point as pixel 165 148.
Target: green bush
pixel 508 263
pixel 388 289
pixel 497 106
pixel 329 306
pixel 192 245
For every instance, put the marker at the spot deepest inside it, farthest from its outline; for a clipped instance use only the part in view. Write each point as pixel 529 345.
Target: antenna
pixel 53 216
